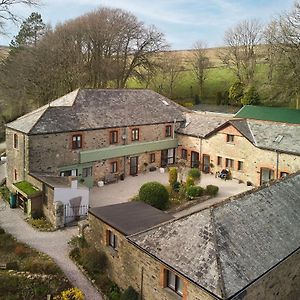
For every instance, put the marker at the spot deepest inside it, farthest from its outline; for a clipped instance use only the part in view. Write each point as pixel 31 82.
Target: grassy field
pixel 26 273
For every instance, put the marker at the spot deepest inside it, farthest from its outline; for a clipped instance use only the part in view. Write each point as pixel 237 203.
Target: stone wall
pixel 240 149
pixel 129 266
pixel 49 152
pixel 17 158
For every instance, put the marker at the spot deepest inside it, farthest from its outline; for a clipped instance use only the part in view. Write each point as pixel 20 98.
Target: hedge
pixel 212 190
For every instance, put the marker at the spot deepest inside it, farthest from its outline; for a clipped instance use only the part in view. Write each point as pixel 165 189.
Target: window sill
pixel 113 252
pixel 173 293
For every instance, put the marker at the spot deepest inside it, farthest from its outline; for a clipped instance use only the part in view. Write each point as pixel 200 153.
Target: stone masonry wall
pixel 240 149
pixel 49 152
pixel 128 263
pixel 16 157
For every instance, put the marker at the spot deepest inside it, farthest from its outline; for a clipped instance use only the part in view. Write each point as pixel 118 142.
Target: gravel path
pixel 52 243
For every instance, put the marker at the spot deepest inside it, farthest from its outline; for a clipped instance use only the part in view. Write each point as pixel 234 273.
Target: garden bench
pixel 111 178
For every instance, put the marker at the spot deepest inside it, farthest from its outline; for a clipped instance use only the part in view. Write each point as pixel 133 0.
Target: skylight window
pixel 278 139
pixel 165 102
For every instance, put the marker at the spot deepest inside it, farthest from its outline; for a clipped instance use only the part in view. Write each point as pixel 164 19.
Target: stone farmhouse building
pixel 255 151
pixel 101 136
pixel 93 135
pixel 244 248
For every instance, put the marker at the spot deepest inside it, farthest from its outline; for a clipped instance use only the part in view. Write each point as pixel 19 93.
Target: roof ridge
pixel 38 119
pixel 250 129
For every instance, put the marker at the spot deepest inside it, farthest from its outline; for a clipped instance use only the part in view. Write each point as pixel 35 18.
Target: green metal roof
pixel 276 114
pixel 126 150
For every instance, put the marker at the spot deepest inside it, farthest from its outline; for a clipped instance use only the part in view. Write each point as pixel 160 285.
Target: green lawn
pixel 218 80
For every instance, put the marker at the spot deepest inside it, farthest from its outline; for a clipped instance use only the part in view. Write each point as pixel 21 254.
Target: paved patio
pixel 123 191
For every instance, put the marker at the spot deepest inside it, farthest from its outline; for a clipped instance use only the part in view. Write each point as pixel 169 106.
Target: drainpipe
pixel 24 156
pixel 124 143
pixel 174 129
pixel 142 283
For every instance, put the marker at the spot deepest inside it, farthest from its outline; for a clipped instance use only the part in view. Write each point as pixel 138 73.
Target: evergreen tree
pixel 251 96
pixel 31 31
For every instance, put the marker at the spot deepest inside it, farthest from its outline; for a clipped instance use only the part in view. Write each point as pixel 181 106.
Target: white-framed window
pixel 87 172
pixel 240 165
pixel 135 134
pixel 77 141
pixel 230 138
pixel 112 240
pixel 174 282
pixel 229 163
pixel 168 131
pixel 114 167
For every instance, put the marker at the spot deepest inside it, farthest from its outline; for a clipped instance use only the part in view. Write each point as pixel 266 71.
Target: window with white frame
pixel 174 282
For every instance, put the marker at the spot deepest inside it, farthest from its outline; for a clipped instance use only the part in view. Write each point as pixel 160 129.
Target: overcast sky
pixel 182 21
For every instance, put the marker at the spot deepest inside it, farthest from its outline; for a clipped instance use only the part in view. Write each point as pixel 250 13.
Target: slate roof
pixel 276 114
pixel 225 248
pixel 201 124
pixel 86 109
pixel 274 136
pixel 130 217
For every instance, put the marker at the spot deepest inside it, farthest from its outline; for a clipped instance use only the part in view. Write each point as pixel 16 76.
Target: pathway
pixel 52 243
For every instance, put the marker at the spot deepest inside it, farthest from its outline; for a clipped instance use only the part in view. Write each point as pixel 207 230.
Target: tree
pixel 31 31
pixel 172 69
pixel 283 39
pixel 200 63
pixel 6 10
pixel 251 96
pixel 100 49
pixel 240 53
pixel 21 71
pixel 235 93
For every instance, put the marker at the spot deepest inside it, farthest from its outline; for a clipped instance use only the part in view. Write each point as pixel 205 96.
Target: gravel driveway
pixel 52 243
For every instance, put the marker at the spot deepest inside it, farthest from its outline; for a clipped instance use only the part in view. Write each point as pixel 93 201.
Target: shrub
pixel 41 224
pixel 130 294
pixel 114 292
pixel 93 260
pixel 38 266
pixel 194 191
pixel 176 186
pixel 103 282
pixel 155 194
pixel 212 190
pixel 21 251
pixel 71 294
pixel 2 231
pixel 190 181
pixel 4 192
pixel 75 253
pixel 172 176
pixel 12 265
pixel 194 173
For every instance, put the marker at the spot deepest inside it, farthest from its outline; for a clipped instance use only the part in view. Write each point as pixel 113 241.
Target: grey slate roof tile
pixel 232 244
pixel 201 124
pixel 86 109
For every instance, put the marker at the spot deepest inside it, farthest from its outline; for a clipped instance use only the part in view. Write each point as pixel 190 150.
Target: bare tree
pixel 6 10
pixel 172 69
pixel 282 36
pixel 240 53
pixel 200 63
